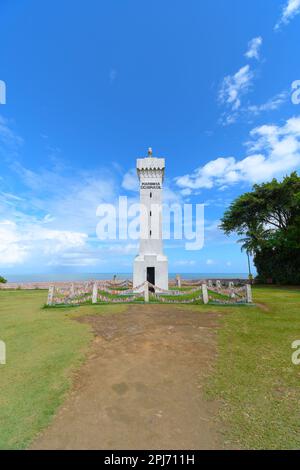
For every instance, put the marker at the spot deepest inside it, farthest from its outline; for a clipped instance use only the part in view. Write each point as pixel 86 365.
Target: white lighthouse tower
pixel 151 264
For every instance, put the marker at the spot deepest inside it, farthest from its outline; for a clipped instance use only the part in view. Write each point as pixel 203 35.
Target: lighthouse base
pixel 151 268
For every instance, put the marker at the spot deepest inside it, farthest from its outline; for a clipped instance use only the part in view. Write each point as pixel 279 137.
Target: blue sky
pixel 90 85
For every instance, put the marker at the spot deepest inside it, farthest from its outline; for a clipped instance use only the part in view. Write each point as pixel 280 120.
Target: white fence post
pixel 72 291
pixel 205 294
pixel 50 295
pixel 2 353
pixel 95 293
pixel 178 281
pixel 249 294
pixel 146 292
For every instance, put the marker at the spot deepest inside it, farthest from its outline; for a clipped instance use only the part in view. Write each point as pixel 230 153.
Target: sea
pixel 65 277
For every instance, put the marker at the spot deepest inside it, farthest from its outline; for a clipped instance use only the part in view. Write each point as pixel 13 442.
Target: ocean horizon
pixel 57 277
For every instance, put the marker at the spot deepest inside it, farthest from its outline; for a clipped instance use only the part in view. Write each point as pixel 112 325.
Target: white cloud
pixel 213 234
pixel 76 259
pixel 254 48
pixel 290 10
pixel 210 262
pixel 123 249
pixel 235 86
pixel 170 196
pixel 11 250
pixel 112 75
pixel 186 192
pixel 52 219
pixel 271 105
pixel 67 199
pixel 8 137
pixel 20 242
pixel 204 177
pixel 248 111
pixel 272 151
pixel 53 241
pixel 130 181
pixel 184 263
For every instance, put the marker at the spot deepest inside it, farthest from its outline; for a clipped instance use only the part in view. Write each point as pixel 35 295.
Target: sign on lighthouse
pixel 151 264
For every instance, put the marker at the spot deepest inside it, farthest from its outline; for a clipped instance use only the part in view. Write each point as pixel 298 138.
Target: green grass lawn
pixel 43 348
pixel 254 376
pixel 254 379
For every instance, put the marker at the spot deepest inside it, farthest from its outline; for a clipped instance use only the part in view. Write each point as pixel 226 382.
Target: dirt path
pixel 141 385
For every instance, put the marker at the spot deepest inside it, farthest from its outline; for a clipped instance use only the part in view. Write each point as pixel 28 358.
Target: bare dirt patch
pixel 264 307
pixel 141 386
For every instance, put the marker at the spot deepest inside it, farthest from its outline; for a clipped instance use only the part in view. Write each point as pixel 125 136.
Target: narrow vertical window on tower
pixel 150 194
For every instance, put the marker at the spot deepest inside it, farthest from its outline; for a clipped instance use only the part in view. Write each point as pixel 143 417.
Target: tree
pixel 268 219
pixel 2 280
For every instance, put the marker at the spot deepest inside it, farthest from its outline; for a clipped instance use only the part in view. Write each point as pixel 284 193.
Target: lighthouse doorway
pixel 151 275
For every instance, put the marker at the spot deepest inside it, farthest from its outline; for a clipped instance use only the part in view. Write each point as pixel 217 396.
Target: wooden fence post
pixel 205 294
pixel 95 293
pixel 50 295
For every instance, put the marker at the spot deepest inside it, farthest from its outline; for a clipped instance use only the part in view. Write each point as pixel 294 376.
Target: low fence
pixel 173 282
pixel 123 292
